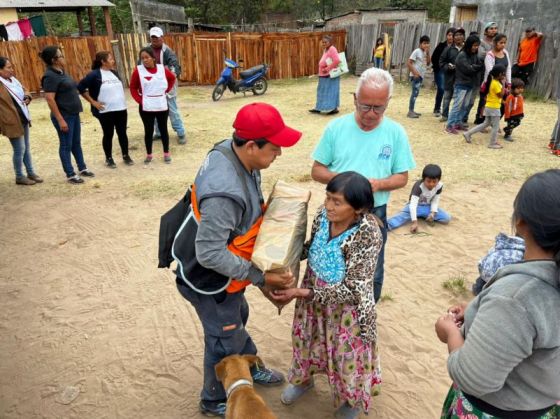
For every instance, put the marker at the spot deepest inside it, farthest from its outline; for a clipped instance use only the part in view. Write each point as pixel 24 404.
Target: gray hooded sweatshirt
pixel 511 355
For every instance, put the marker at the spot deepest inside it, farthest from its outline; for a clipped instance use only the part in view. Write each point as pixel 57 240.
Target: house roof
pixel 379 9
pixel 52 4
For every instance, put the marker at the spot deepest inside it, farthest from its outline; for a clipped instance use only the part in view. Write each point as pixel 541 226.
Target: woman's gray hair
pixel 376 78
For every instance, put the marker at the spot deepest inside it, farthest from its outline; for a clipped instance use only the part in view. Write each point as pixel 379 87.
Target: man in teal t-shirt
pixel 370 144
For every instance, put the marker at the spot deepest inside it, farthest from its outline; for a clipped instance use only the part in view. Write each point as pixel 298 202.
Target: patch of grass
pixel 303 178
pixel 456 284
pixel 386 297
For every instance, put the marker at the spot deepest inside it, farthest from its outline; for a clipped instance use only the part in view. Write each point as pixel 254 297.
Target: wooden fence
pixel 289 54
pixel 361 39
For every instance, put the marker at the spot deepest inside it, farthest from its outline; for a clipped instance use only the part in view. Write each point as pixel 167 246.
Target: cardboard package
pixel 280 240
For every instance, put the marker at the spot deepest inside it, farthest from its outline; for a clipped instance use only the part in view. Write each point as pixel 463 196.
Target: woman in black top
pixel 65 105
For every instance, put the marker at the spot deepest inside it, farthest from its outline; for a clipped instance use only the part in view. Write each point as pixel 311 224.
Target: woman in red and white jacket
pixel 328 90
pixel 149 84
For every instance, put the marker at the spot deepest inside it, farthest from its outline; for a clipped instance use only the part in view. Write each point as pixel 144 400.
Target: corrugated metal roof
pixel 49 4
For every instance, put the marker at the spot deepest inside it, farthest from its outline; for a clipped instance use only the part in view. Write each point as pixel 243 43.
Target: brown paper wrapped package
pixel 280 240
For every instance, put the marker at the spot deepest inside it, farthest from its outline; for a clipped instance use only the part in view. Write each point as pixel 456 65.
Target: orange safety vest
pixel 241 245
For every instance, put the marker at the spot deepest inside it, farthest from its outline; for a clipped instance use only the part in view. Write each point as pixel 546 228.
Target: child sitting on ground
pixel 423 201
pixel 514 108
pixel 495 89
pixel 506 251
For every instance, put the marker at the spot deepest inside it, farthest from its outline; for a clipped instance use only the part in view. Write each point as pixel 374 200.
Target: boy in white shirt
pixel 417 65
pixel 423 201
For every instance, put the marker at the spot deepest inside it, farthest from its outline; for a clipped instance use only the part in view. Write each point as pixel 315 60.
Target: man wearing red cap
pixel 228 204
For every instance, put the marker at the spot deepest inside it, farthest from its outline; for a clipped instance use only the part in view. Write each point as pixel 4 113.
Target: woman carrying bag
pixel 328 90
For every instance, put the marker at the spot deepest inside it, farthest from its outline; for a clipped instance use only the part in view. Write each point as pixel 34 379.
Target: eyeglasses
pixel 377 109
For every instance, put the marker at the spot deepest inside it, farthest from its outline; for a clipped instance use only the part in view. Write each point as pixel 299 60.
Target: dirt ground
pixel 92 329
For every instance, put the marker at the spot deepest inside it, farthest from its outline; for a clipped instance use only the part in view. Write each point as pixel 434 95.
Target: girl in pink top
pixel 328 90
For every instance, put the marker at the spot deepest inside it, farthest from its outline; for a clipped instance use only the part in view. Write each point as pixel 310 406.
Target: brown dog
pixel 243 402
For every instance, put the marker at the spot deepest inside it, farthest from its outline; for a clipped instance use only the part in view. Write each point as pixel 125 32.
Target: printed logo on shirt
pixel 386 152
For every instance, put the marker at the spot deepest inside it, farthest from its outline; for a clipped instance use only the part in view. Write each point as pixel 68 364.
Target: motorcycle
pixel 252 79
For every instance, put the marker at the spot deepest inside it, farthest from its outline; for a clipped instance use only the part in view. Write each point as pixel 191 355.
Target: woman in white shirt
pixel 103 88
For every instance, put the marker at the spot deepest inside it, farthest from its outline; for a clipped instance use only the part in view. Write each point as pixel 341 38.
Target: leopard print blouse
pixel 360 251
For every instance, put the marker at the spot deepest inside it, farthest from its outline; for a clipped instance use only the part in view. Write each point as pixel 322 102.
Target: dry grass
pixel 208 122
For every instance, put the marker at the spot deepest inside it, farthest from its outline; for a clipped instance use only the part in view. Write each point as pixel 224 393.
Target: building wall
pixel 394 15
pixel 543 14
pixel 337 22
pixel 8 15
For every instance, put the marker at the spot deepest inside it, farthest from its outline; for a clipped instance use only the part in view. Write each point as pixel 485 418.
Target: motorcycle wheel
pixel 260 87
pixel 218 92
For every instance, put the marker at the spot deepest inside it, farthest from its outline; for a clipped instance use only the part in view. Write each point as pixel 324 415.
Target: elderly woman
pixel 504 347
pixel 15 121
pixel 334 330
pixel 64 102
pixel 328 90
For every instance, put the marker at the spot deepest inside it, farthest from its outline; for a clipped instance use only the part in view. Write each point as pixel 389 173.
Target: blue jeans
pixel 416 83
pixel 22 154
pixel 381 213
pixel 378 62
pixel 422 211
pixel 447 95
pixel 439 79
pixel 223 321
pixel 461 98
pixel 174 117
pixel 70 144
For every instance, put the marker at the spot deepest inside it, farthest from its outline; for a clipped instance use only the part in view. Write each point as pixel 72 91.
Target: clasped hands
pixel 450 322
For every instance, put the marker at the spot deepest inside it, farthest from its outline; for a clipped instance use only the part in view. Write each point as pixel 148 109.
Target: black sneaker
pixel 266 376
pixel 127 160
pixel 333 112
pixel 75 180
pixel 87 173
pixel 110 163
pixel 212 408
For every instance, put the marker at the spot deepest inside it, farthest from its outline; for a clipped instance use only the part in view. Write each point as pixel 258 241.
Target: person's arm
pixel 320 173
pixel 428 58
pixel 135 87
pixel 50 97
pixel 499 339
pixel 170 80
pixel 508 71
pixel 219 217
pixel 333 55
pixel 411 68
pixel 172 62
pixel 396 181
pixel 489 61
pixel 434 205
pixel 97 105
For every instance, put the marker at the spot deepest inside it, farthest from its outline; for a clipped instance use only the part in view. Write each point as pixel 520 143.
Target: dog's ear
pixel 220 369
pixel 253 360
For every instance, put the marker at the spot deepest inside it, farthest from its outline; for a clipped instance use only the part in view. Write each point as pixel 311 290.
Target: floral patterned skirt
pixel 456 406
pixel 326 340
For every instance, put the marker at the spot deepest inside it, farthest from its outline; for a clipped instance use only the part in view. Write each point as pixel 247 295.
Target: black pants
pixel 148 119
pixel 523 72
pixel 512 123
pixel 479 117
pixel 109 122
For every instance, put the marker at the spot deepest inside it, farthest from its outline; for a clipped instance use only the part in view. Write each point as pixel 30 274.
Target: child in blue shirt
pixel 506 251
pixel 423 201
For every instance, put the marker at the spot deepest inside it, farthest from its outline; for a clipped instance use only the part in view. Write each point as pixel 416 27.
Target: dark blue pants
pixel 439 79
pixel 381 213
pixel 70 144
pixel 223 319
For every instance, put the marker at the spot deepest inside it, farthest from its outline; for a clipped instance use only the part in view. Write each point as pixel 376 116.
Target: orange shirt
pixel 528 50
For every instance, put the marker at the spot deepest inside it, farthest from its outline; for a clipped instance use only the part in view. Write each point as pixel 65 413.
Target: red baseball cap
pixel 261 120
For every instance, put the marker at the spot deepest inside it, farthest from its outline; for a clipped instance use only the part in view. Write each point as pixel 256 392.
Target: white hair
pixel 375 78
